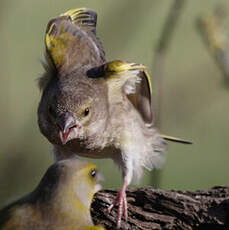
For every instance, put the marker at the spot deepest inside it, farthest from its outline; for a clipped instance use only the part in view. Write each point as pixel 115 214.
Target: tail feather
pixel 84 18
pixel 176 139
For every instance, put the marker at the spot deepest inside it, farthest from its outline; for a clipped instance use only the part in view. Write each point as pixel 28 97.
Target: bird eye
pixel 86 112
pixel 51 111
pixel 93 173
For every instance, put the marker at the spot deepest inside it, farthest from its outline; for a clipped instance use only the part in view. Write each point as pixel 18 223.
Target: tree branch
pixel 215 39
pixel 150 208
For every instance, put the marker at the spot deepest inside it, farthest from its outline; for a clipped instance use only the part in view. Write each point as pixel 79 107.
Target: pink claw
pixel 121 201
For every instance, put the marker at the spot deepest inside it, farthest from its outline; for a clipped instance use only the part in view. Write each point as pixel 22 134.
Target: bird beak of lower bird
pixel 68 127
pixel 98 186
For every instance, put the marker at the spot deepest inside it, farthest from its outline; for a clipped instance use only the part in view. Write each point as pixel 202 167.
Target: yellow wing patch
pixel 83 17
pixel 74 13
pixel 125 76
pixel 57 44
pixel 120 66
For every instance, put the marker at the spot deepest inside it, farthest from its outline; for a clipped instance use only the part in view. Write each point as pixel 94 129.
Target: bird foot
pixel 121 202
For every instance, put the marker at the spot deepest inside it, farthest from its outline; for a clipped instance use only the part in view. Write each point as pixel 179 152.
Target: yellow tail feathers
pixel 83 17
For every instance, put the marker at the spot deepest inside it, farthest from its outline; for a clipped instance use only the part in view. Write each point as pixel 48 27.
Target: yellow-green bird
pixel 92 228
pixel 88 228
pixel 95 108
pixel 61 201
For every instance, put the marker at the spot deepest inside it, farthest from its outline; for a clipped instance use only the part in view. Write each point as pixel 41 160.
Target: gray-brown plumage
pixel 96 109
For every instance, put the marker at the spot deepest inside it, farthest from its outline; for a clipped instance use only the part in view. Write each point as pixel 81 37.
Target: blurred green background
pixel 194 103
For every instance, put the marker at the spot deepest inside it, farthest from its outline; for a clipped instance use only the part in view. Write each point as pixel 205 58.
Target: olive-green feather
pixel 84 18
pixel 133 79
pixel 71 43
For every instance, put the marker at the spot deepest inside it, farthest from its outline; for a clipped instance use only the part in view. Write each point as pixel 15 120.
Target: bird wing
pixel 130 78
pixel 134 81
pixel 84 18
pixel 142 97
pixel 71 43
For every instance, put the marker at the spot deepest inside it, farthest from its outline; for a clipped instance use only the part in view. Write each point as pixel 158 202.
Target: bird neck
pixel 60 153
pixel 70 209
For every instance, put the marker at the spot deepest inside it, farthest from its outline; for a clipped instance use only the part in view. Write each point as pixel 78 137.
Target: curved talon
pixel 121 201
pixel 110 208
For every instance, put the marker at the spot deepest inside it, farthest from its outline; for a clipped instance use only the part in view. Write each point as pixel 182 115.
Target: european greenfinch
pixel 61 201
pixel 92 228
pixel 88 228
pixel 96 109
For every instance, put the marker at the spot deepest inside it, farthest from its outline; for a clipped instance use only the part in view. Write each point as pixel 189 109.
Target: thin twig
pixel 159 63
pixel 161 51
pixel 215 39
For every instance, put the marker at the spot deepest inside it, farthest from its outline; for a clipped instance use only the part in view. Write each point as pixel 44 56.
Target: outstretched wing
pixel 141 99
pixel 71 43
pixel 84 18
pixel 135 82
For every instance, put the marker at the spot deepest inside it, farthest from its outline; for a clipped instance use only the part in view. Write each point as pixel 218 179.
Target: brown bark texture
pixel 150 208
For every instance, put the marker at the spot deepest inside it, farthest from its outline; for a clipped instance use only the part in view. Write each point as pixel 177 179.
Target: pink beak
pixel 66 122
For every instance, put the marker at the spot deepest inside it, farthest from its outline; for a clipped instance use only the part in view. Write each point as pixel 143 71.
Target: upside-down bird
pixel 95 108
pixel 61 201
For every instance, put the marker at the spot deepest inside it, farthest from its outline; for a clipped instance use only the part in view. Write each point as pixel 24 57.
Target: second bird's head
pixel 68 181
pixel 73 108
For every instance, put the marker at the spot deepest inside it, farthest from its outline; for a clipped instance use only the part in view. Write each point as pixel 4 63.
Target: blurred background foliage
pixel 194 102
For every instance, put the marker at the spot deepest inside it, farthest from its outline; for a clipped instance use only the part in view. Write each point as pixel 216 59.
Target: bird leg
pixel 121 201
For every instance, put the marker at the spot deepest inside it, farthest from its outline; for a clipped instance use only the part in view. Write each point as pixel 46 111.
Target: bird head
pixel 80 182
pixel 72 108
pixel 72 105
pixel 68 188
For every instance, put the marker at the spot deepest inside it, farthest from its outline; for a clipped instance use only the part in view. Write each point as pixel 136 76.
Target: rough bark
pixel 150 208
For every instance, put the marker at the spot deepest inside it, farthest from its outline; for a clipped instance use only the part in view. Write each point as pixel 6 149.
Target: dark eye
pixel 51 111
pixel 86 112
pixel 93 173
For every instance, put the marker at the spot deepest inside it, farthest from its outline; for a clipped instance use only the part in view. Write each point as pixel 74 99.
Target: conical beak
pixel 98 186
pixel 66 123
